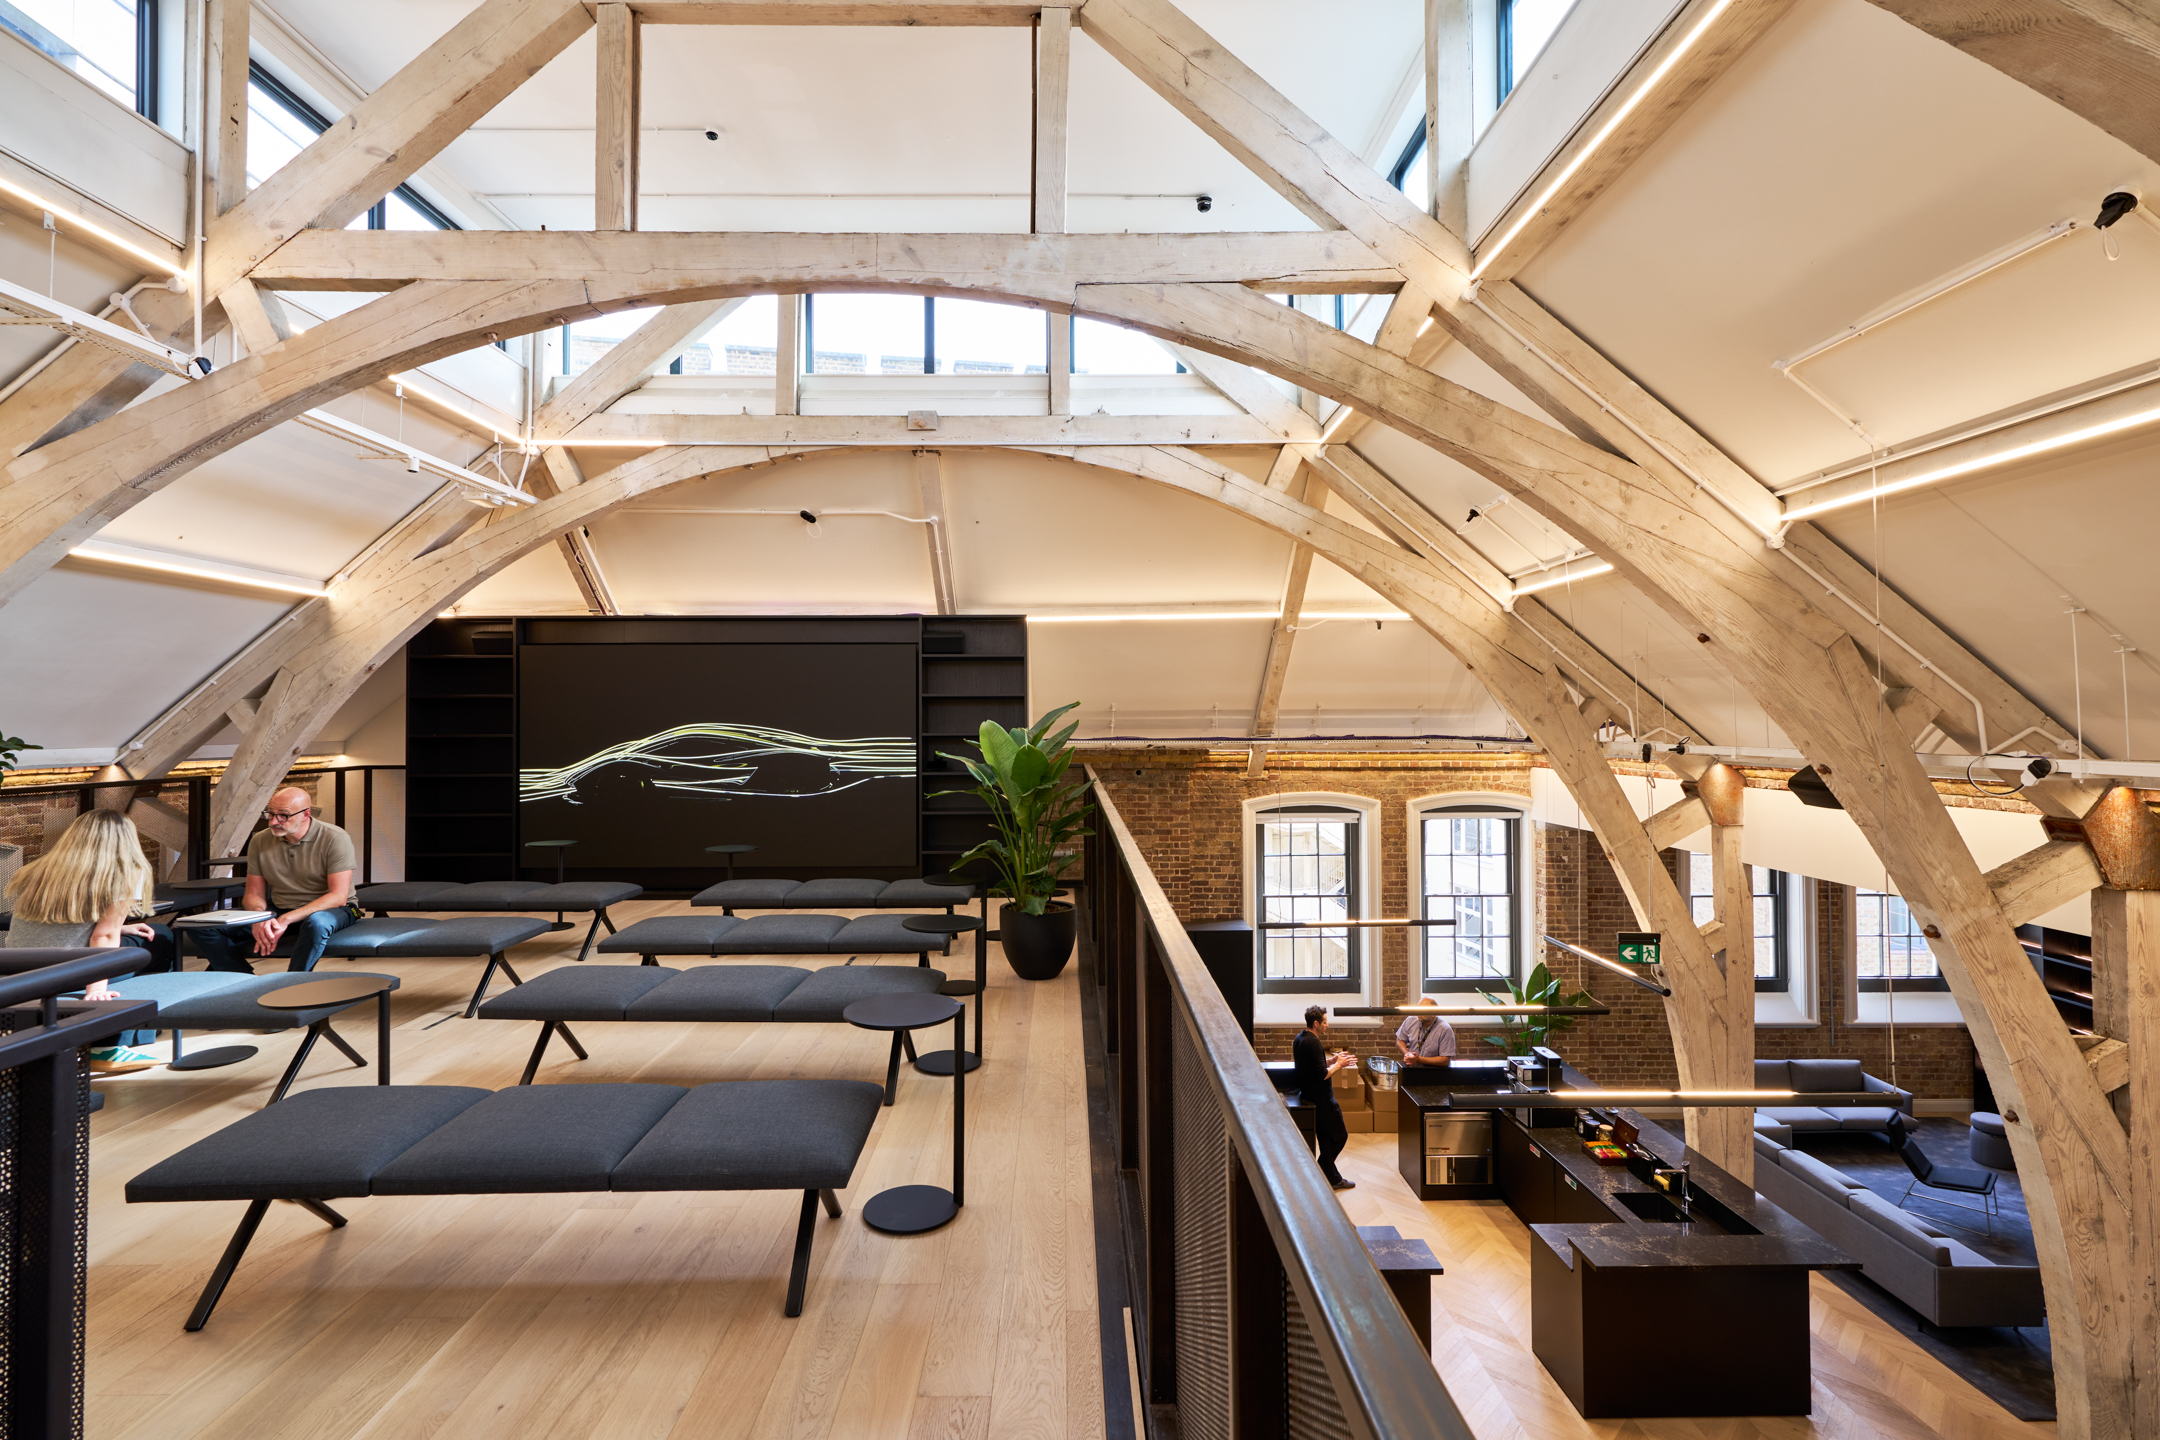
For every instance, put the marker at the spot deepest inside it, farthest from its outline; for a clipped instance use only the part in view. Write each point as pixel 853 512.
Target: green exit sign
pixel 1639 947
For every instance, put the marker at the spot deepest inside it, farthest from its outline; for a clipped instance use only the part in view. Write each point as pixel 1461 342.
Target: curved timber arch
pixel 314 660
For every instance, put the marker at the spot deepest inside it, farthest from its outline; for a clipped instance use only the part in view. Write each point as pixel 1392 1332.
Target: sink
pixel 1709 1217
pixel 1647 1205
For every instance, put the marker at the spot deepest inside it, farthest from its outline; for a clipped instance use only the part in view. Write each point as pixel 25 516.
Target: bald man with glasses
pixel 302 868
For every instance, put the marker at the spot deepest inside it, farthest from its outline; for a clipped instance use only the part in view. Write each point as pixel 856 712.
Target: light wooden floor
pixel 1869 1380
pixel 549 1317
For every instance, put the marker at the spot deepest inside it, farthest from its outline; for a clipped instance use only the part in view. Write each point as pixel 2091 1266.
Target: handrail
pixel 1382 1375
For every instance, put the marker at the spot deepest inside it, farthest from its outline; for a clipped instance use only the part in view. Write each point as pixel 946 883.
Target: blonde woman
pixel 82 893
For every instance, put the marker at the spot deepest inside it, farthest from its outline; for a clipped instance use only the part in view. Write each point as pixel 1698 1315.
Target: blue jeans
pixel 232 948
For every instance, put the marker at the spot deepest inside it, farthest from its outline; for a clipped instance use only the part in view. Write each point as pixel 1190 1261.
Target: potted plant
pixel 1021 775
pixel 1520 1034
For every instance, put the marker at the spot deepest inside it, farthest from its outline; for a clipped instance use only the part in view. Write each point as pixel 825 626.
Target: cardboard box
pixel 1357 1122
pixel 1386 1121
pixel 1350 1090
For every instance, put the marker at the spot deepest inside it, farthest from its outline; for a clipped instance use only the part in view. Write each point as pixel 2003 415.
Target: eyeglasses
pixel 274 815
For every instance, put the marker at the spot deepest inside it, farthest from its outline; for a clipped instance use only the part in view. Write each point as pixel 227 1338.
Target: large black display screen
pixel 646 754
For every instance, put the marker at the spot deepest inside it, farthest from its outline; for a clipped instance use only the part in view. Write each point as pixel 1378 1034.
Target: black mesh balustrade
pixel 45 1176
pixel 1256 1312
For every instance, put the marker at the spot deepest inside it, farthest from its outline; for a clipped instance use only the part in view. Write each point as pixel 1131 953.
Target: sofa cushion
pixel 533 1139
pixel 782 935
pixel 1799 1117
pixel 1860 1117
pixel 1765 1146
pixel 756 1135
pixel 488 895
pixel 829 991
pixel 577 992
pixel 1771 1075
pixel 718 992
pixel 317 1145
pixel 582 895
pixel 1830 1184
pixel 466 935
pixel 365 937
pixel 400 894
pixel 747 894
pixel 921 894
pixel 884 935
pixel 836 894
pixel 1817 1077
pixel 670 935
pixel 1899 1226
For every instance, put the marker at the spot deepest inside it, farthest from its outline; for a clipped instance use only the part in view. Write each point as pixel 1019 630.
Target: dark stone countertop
pixel 1630 1240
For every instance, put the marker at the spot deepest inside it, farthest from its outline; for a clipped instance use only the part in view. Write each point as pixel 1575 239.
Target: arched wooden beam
pixel 329 646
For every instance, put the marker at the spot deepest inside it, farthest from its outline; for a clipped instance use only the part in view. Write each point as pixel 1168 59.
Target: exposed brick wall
pixel 1184 809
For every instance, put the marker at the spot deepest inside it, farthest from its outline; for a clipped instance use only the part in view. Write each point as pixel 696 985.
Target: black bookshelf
pixel 974 668
pixel 461 751
pixel 2064 960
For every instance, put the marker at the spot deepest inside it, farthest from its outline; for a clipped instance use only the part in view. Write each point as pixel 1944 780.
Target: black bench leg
pixel 330 1033
pixel 323 1213
pixel 487 977
pixel 532 1066
pixel 892 1068
pixel 832 1203
pixel 230 1261
pixel 571 1040
pixel 799 1277
pixel 292 1071
pixel 592 933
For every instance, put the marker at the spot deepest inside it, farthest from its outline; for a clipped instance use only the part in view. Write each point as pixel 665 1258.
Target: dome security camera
pixel 712 134
pixel 1204 203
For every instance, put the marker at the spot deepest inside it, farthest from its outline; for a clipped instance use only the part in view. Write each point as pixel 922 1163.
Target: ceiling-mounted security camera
pixel 1204 203
pixel 2115 205
pixel 712 134
pixel 809 516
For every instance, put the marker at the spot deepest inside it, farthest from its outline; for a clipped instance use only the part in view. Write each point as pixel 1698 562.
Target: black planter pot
pixel 1037 946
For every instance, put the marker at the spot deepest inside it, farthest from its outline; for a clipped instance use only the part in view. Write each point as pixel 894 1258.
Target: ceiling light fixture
pixel 1966 467
pixel 1123 616
pixel 1605 133
pixel 157 262
pixel 1601 568
pixel 115 555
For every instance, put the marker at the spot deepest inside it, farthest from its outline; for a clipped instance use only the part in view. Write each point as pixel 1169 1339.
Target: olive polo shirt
pixel 297 874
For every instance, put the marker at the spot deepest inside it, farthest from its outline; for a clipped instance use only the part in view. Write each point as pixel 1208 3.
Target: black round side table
pixel 729 852
pixel 940 1062
pixel 558 846
pixel 915 1209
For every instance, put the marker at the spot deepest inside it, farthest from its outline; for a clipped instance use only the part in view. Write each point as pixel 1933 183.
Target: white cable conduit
pixel 1774 540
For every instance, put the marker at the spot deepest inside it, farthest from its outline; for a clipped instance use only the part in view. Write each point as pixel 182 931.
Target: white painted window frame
pixel 1288 1008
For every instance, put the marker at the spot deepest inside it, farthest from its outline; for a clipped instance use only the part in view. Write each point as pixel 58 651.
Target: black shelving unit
pixel 974 668
pixel 461 752
pixel 2064 960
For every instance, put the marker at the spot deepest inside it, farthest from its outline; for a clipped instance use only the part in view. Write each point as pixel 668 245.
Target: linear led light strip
pixel 60 212
pixel 1604 133
pixel 1216 615
pixel 479 487
pixel 1964 467
pixel 115 555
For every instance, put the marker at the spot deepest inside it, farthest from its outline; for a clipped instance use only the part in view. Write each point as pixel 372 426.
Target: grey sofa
pixel 1946 1282
pixel 1781 1122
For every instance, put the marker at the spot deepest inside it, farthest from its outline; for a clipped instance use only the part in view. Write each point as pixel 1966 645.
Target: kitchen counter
pixel 1619 1294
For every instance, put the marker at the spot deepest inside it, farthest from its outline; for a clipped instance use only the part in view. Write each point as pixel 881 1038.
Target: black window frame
pixel 1412 149
pixel 1934 984
pixel 1780 982
pixel 308 115
pixel 1353 881
pixel 1427 984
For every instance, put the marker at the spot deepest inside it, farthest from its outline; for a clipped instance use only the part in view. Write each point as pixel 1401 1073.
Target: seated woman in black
pixel 1315 1071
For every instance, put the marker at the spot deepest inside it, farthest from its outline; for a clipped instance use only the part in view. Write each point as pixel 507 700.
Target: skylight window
pixel 1525 27
pixel 110 43
pixel 281 125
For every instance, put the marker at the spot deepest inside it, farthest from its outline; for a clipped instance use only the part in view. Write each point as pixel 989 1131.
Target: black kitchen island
pixel 1634 1310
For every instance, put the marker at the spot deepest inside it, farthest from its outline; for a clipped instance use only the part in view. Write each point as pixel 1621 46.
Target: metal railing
pixel 198 789
pixel 1257 1310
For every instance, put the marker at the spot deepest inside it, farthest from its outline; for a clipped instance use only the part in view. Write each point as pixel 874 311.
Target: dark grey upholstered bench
pixel 454 1140
pixel 414 938
pixel 520 895
pixel 733 895
pixel 711 935
pixel 218 1000
pixel 782 993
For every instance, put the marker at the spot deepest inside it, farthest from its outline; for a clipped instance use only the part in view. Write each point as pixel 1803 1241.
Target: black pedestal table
pixel 728 853
pixel 940 1062
pixel 914 1209
pixel 558 846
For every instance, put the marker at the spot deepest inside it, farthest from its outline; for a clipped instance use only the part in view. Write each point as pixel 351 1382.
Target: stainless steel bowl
pixel 1386 1074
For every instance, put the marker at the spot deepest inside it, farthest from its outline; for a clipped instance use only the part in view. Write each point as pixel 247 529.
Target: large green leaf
pixel 1030 767
pixel 997 748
